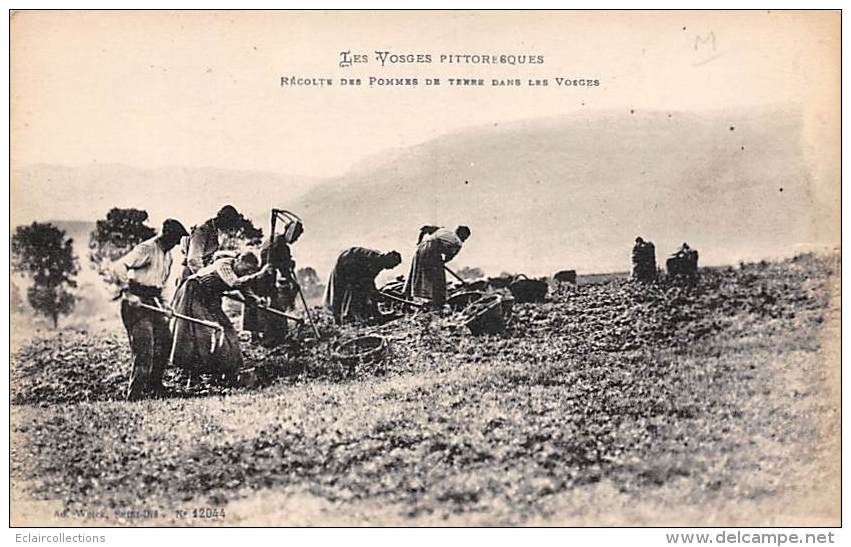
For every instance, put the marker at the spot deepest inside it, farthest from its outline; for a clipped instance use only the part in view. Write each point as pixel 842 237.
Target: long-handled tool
pixel 173 337
pixel 400 300
pixel 269 309
pixel 456 276
pixel 304 303
pixel 215 342
pixel 291 217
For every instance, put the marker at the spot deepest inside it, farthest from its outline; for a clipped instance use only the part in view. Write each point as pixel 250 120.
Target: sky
pixel 202 89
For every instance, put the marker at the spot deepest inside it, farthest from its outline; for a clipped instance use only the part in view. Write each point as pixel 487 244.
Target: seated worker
pixel 199 348
pixel 351 294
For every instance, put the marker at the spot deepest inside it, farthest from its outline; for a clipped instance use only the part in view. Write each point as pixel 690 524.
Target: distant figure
pixel 279 286
pixel 203 242
pixel 351 294
pixel 683 262
pixel 643 260
pixel 428 277
pixel 197 347
pixel 142 274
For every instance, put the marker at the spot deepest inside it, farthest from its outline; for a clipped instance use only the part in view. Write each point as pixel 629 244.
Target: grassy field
pixel 612 403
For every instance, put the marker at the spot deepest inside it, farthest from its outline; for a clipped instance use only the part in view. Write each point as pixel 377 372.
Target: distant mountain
pixel 190 194
pixel 575 192
pixel 539 195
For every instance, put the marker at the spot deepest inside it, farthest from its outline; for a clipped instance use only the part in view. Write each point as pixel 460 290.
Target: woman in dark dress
pixel 201 349
pixel 427 279
pixel 351 293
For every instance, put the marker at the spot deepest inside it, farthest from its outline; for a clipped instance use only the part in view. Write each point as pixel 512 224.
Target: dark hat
pixel 228 212
pixel 462 232
pixel 172 227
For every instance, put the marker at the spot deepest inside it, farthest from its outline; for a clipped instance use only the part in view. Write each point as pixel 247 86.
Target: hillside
pixel 87 192
pixel 540 195
pixel 574 192
pixel 612 403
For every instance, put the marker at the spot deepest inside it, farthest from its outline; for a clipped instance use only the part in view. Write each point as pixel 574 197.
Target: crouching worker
pixel 142 274
pixel 683 262
pixel 351 294
pixel 202 349
pixel 279 287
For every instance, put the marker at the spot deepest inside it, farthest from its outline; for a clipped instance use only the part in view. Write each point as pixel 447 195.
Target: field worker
pixel 279 287
pixel 199 348
pixel 683 261
pixel 643 260
pixel 204 240
pixel 351 294
pixel 428 277
pixel 142 274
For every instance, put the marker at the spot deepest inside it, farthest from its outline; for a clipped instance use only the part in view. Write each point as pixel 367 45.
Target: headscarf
pixel 292 232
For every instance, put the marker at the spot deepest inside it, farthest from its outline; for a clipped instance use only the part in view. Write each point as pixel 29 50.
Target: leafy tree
pixel 42 252
pixel 115 236
pixel 309 281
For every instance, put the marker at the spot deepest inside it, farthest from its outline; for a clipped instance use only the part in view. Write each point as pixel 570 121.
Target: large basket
pixel 528 290
pixel 461 300
pixel 485 316
pixel 358 351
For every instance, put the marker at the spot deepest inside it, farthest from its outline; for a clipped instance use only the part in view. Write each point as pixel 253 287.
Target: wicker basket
pixel 528 290
pixel 485 316
pixel 461 300
pixel 358 351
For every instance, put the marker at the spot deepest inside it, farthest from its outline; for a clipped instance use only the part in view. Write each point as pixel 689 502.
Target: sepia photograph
pixel 429 268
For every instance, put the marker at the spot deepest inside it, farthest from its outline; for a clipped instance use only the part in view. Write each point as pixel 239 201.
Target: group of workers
pixel 683 261
pixel 193 330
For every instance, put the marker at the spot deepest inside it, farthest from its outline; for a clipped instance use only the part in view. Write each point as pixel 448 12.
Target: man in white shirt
pixel 142 274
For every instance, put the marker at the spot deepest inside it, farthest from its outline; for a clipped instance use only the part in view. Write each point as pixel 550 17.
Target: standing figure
pixel 204 240
pixel 279 286
pixel 351 294
pixel 428 276
pixel 142 274
pixel 643 260
pixel 200 348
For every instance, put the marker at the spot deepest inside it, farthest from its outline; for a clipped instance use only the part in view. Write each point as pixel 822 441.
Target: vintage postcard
pixel 425 268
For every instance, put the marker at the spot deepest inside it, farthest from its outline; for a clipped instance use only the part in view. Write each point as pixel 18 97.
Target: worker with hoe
pixel 204 240
pixel 200 348
pixel 279 287
pixel 142 274
pixel 351 294
pixel 436 247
